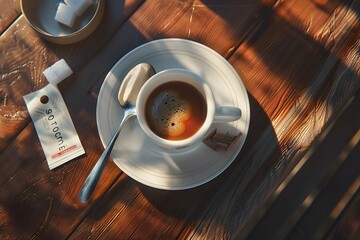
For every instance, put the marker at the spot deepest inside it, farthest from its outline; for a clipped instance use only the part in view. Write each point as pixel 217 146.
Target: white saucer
pixel 140 159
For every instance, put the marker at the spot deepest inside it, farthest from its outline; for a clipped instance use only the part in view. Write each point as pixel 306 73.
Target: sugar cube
pixel 79 6
pixel 61 69
pixel 65 15
pixel 57 72
pixel 51 76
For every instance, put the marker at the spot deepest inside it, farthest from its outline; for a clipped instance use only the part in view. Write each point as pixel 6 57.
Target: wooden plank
pixel 140 212
pixel 46 198
pixel 103 216
pixel 9 11
pixel 19 75
pixel 29 189
pixel 347 226
pixel 160 221
pixel 259 124
pixel 297 103
pixel 315 222
pixel 306 182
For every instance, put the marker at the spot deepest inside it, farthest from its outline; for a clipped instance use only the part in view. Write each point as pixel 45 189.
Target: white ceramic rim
pixel 182 75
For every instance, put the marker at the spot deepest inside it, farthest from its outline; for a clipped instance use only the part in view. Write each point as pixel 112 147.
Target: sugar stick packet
pixel 55 129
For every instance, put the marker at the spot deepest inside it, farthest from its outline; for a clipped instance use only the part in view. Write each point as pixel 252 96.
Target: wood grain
pixel 9 11
pixel 202 21
pixel 24 57
pixel 29 188
pixel 298 59
pixel 112 220
pixel 291 80
pixel 277 81
pixel 319 168
pixel 333 198
pixel 20 43
pixel 347 225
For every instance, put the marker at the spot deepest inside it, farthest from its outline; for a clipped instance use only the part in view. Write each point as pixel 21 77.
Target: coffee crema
pixel 175 110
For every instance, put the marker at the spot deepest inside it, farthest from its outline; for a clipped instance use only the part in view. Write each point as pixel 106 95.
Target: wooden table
pixel 299 60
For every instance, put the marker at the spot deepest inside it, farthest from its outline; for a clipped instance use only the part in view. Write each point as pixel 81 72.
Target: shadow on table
pixel 229 199
pixel 317 76
pixel 196 203
pixel 193 203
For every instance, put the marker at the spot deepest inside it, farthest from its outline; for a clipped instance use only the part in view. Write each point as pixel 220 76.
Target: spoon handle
pixel 93 178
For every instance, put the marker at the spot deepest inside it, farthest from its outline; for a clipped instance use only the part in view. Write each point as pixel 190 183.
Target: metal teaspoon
pixel 127 95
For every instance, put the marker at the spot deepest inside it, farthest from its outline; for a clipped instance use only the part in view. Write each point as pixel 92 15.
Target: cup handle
pixel 226 114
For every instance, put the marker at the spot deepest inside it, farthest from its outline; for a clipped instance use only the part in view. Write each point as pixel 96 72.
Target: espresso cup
pixel 176 107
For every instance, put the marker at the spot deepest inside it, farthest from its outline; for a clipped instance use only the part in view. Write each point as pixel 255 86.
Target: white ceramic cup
pixel 213 114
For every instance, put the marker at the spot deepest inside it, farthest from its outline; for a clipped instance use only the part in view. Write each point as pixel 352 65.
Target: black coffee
pixel 175 110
